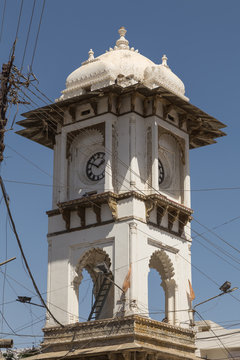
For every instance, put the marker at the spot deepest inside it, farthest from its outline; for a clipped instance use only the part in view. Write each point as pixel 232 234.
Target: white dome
pixel 123 65
pixel 162 75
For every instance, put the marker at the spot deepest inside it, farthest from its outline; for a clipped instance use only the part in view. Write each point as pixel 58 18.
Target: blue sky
pixel 201 40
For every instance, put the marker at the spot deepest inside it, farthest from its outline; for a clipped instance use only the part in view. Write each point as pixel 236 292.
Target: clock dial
pixel 95 168
pixel 160 172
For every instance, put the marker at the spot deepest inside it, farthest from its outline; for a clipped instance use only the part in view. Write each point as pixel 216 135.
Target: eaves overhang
pixel 42 124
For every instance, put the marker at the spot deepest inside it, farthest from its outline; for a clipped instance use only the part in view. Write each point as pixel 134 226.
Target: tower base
pixel 128 338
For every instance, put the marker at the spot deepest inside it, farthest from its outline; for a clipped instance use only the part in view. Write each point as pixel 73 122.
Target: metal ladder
pixel 101 297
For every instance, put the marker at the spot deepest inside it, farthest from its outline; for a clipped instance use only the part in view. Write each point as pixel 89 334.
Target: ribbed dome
pixel 162 75
pixel 123 65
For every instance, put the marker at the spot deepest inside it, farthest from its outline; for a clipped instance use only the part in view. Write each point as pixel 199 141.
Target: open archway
pixel 102 289
pixel 162 264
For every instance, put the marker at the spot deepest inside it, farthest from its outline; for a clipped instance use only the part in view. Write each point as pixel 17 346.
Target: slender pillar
pixel 132 151
pixel 155 185
pixel 108 156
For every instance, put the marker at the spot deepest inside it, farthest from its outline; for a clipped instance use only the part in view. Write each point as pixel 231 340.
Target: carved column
pixel 169 287
pixel 133 291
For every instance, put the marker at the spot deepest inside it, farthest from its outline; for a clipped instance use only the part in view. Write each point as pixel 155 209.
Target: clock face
pixel 95 168
pixel 160 172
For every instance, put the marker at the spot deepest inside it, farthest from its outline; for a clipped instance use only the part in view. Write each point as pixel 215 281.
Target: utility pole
pixel 6 84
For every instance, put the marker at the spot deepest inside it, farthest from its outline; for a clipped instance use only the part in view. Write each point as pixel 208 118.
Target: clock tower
pixel 121 133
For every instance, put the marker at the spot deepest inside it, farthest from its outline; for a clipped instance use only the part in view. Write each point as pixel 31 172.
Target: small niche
pixel 85 112
pixel 171 118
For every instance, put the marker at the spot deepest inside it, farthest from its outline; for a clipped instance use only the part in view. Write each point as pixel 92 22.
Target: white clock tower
pixel 121 133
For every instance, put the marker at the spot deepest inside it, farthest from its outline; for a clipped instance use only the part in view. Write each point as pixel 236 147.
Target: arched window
pixel 156 296
pixel 161 262
pixel 94 265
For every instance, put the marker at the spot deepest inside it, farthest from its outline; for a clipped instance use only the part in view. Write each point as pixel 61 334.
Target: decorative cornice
pixel 201 127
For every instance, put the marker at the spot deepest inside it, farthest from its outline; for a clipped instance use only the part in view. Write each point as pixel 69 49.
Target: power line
pixel 36 41
pixel 226 349
pixel 219 237
pixel 28 33
pixel 2 21
pixel 29 161
pixel 19 19
pixel 23 255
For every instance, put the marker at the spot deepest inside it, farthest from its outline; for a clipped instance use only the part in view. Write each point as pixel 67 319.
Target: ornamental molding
pixel 162 246
pixel 163 206
pixel 117 337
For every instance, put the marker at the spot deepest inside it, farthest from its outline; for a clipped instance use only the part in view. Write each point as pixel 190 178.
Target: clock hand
pixel 92 163
pixel 101 162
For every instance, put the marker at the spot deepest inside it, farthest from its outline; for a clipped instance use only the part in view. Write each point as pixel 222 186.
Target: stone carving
pixel 66 215
pixel 112 203
pixel 149 206
pixel 161 262
pixel 88 261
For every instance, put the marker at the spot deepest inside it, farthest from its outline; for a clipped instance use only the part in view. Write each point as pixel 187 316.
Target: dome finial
pixel 164 60
pixel 122 43
pixel 91 55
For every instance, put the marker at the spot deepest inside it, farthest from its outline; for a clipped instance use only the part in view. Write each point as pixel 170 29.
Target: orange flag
pixel 126 283
pixel 191 294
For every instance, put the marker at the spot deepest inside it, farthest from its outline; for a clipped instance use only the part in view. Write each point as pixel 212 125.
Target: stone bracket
pixel 66 213
pixel 82 215
pixel 149 206
pixel 183 219
pixel 161 211
pixel 97 210
pixel 112 203
pixel 172 216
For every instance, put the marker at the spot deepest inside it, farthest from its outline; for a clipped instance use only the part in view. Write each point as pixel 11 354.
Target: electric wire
pixel 2 20
pixel 226 349
pixel 19 19
pixel 219 237
pixel 29 161
pixel 23 255
pixel 5 269
pixel 36 41
pixel 28 33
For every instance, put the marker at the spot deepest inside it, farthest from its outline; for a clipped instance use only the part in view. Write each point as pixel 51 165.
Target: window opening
pixel 156 297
